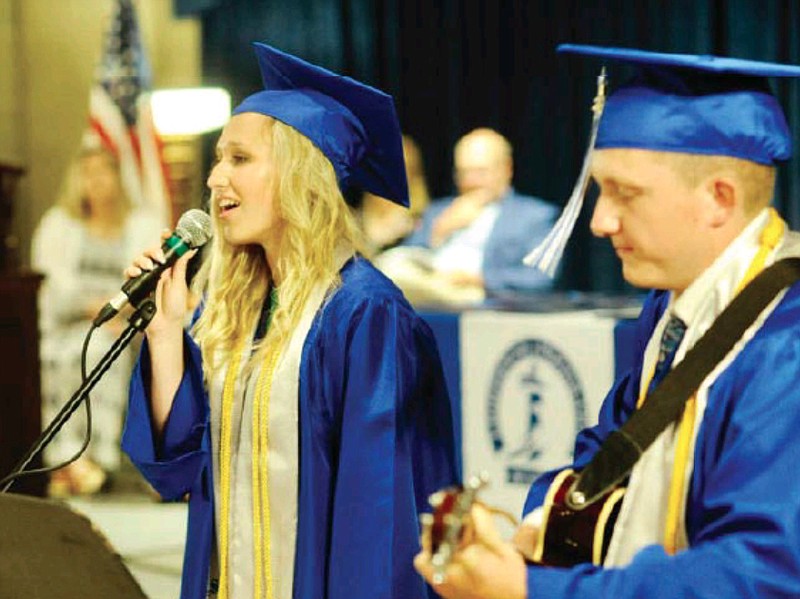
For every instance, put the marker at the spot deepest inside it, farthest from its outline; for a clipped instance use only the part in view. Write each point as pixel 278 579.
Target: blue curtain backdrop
pixel 453 65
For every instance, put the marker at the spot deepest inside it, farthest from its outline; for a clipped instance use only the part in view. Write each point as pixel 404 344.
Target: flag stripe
pixel 120 117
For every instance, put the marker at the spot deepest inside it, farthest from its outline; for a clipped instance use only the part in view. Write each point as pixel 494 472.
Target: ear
pixel 724 197
pixel 508 167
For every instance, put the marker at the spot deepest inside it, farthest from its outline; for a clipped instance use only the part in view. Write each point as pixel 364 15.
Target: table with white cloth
pixel 525 376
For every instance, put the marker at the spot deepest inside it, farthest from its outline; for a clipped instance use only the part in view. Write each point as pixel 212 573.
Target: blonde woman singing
pixel 305 413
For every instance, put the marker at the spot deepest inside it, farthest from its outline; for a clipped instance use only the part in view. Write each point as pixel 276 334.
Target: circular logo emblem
pixel 535 408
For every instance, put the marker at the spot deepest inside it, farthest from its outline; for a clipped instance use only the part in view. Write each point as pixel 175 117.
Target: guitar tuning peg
pixel 478 481
pixel 426 521
pixel 436 499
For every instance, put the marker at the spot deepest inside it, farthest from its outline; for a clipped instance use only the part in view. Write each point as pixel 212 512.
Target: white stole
pixel 283 459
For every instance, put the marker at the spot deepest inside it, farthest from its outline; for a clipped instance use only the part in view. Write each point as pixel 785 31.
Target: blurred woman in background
pixel 82 244
pixel 386 223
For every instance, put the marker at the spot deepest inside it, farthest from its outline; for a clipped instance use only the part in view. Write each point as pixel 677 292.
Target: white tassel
pixel 547 255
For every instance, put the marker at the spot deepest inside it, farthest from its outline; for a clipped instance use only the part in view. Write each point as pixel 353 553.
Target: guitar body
pixel 568 536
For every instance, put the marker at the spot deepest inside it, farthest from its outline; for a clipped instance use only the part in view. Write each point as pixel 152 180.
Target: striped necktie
pixel 670 341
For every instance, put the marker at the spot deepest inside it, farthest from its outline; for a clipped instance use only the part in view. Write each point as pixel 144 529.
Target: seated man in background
pixel 474 242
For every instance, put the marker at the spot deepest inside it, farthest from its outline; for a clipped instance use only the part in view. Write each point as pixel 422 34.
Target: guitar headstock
pixel 447 523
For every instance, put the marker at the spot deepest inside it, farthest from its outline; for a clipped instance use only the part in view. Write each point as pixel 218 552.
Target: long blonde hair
pixel 236 279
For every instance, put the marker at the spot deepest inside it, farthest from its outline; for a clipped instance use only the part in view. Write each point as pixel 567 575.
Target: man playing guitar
pixel 685 161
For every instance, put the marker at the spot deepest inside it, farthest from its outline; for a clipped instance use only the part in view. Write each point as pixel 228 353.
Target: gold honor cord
pixel 547 254
pixel 225 467
pixel 260 474
pixel 770 238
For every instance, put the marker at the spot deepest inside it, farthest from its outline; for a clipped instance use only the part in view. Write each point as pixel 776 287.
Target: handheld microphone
pixel 193 231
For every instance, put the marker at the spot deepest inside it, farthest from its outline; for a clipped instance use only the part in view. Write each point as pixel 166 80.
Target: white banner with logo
pixel 529 383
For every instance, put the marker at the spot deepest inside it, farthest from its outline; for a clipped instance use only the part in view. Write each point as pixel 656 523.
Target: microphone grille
pixel 194 227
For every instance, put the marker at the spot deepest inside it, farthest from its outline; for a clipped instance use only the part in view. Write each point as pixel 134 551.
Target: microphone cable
pixel 14 476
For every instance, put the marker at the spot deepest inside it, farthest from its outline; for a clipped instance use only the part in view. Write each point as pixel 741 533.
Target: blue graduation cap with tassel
pixel 694 104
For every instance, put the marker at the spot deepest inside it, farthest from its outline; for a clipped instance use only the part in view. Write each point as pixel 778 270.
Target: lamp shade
pixel 190 111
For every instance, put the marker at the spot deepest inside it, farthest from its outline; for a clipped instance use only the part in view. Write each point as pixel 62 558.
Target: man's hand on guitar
pixel 483 566
pixel 526 536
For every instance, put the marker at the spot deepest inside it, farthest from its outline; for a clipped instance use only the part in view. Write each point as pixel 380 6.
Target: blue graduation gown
pixel 376 438
pixel 743 506
pixel 523 221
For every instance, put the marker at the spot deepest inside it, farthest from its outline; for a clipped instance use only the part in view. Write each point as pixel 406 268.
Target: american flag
pixel 120 118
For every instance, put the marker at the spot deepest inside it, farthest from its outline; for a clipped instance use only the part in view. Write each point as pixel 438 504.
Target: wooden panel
pixel 20 390
pixel 9 243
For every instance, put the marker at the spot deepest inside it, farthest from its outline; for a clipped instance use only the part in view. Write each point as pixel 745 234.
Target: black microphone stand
pixel 137 322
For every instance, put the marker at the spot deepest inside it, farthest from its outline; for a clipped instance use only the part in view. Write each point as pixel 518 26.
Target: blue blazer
pixel 523 222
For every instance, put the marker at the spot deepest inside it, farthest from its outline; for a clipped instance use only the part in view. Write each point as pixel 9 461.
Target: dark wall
pixel 453 65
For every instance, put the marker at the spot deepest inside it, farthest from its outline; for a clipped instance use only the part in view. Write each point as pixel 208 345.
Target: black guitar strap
pixel 623 447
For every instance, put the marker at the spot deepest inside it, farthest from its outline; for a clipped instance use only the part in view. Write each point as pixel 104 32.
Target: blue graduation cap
pixel 353 124
pixel 677 103
pixel 696 104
